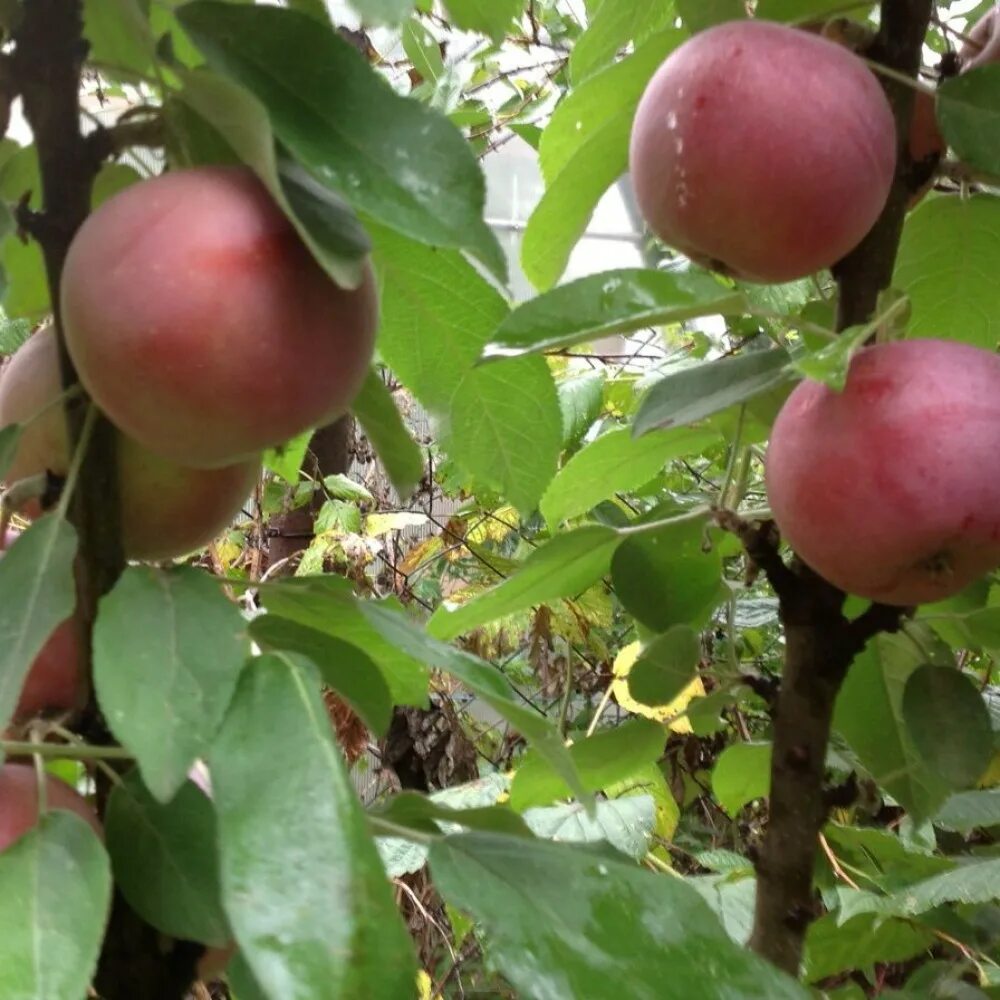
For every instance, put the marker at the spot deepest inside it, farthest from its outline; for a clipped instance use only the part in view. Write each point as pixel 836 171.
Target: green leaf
pixel 666 666
pixel 881 858
pixel 601 760
pixel 423 50
pixel 165 860
pixel 484 680
pixel 347 669
pixel 37 593
pixel 321 922
pixel 55 892
pixel 588 924
pixel 666 578
pixel 326 603
pixel 968 111
pixel 437 313
pixel 626 824
pixel 286 460
pixel 390 157
pixel 948 722
pixel 610 302
pixel 869 715
pixel 383 11
pixel 488 17
pixel 506 428
pixel 612 27
pixel 616 462
pixel 424 814
pixel 803 10
pixel 862 941
pixel 700 14
pixel 965 811
pixel 947 264
pixel 695 393
pixel 562 567
pixel 580 401
pixel 376 410
pixel 168 650
pixel 582 152
pixel 830 363
pixel 327 226
pixel 741 774
pixel 121 42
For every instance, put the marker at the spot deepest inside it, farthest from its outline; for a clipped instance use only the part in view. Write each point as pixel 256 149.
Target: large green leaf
pixel 667 578
pixel 437 313
pixel 390 157
pixel 804 10
pixel 563 567
pixel 326 604
pixel 345 668
pixel 694 393
pixel 616 462
pixel 965 811
pixel 587 152
pixel 665 666
pixel 36 594
pixel 326 224
pixel 581 924
pixel 121 42
pixel 700 14
pixel 741 774
pixel 947 264
pixel 489 17
pixel 612 28
pixel 168 651
pixel 55 891
pixel 626 824
pixel 610 302
pixel 601 760
pixel 861 941
pixel 968 108
pixel 869 715
pixel 375 409
pixel 302 883
pixel 948 723
pixel 165 860
pixel 505 428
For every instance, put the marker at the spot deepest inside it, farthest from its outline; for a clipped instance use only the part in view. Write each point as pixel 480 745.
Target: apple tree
pixel 398 602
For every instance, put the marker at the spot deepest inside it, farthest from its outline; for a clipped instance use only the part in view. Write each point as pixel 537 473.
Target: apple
pixel 762 151
pixel 167 510
pixel 19 802
pixel 891 489
pixel 202 325
pixel 54 680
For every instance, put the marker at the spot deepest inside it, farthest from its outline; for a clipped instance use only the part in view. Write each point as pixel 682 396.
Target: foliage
pixel 533 572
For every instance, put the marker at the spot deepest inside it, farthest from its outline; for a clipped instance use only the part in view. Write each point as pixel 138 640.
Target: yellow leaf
pixel 420 553
pixel 496 527
pixel 424 985
pixel 992 776
pixel 382 524
pixel 667 714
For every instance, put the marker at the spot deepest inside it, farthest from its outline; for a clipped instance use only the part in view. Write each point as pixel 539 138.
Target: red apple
pixel 201 324
pixel 762 151
pixel 54 680
pixel 19 802
pixel 167 510
pixel 891 488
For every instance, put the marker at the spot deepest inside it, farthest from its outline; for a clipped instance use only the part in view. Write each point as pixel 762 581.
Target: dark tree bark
pixel 820 642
